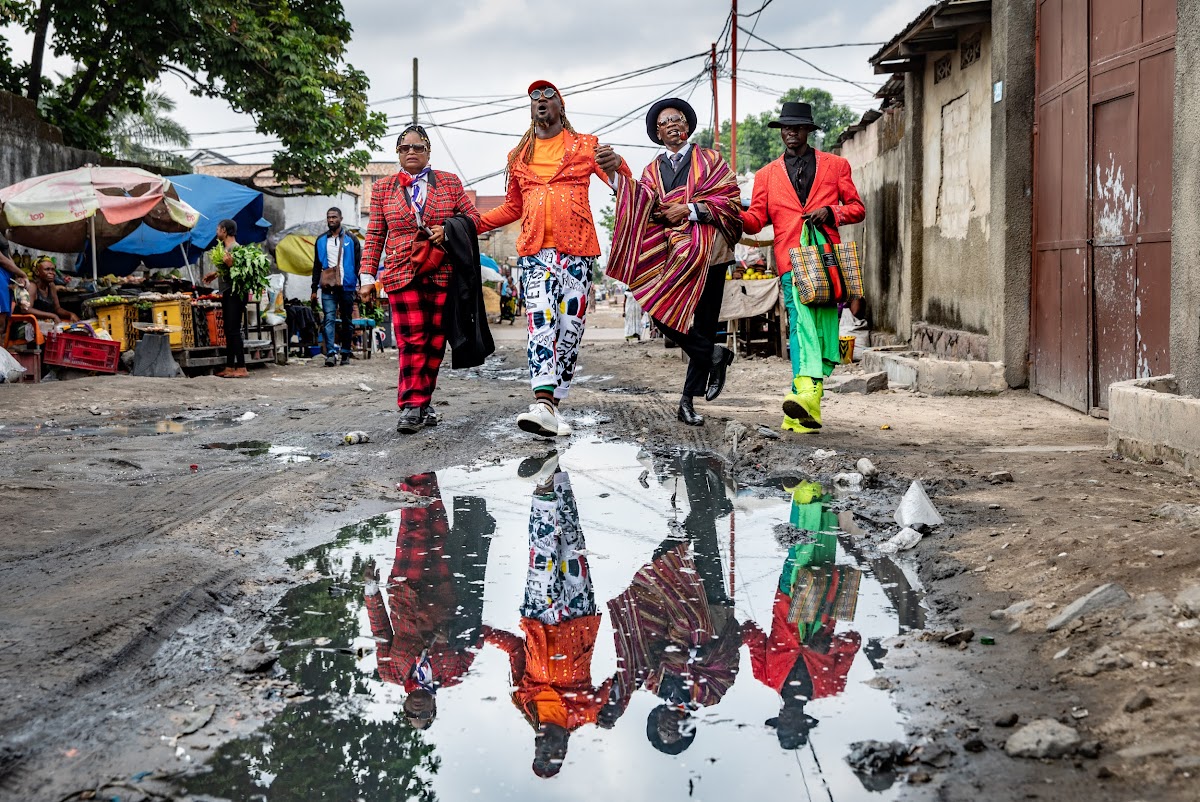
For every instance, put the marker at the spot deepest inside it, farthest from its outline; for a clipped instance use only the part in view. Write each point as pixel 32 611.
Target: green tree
pixel 281 61
pixel 143 137
pixel 758 144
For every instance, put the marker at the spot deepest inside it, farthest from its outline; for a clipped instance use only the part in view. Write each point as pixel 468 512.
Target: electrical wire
pixel 457 167
pixel 806 61
pixel 760 9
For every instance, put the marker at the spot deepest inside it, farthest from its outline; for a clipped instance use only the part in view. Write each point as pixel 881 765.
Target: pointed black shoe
pixel 688 415
pixel 722 359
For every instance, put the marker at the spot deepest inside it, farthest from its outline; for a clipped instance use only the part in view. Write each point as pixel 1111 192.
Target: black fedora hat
pixel 794 114
pixel 689 114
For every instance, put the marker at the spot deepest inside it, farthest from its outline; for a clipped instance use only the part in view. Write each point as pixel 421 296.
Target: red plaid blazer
pixel 392 229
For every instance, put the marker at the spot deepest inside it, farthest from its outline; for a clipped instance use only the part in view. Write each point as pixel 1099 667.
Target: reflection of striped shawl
pixel 665 268
pixel 660 617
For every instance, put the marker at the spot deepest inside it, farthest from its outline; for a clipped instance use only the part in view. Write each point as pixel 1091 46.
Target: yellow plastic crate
pixel 172 313
pixel 118 320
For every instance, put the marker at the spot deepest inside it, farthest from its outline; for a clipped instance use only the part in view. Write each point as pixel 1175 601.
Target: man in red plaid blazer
pixel 413 203
pixel 430 637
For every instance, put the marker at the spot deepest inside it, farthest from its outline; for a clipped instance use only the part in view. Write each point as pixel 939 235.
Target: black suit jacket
pixel 465 319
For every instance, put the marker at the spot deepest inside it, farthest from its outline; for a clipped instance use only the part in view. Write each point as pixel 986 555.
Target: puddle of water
pixel 166 426
pixel 259 448
pixel 638 629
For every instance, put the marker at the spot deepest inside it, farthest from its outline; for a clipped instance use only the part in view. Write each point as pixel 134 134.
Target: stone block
pixel 1105 596
pixel 1149 420
pixel 1044 738
pixel 857 383
pixel 937 376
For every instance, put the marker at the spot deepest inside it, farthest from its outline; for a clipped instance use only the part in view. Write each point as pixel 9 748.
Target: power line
pixel 442 139
pixel 760 9
pixel 806 61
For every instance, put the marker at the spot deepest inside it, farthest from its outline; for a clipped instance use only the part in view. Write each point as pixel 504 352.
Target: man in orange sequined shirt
pixel 548 174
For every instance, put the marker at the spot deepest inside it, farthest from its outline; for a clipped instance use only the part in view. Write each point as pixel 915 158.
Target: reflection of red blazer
pixel 771 659
pixel 775 203
pixel 392 229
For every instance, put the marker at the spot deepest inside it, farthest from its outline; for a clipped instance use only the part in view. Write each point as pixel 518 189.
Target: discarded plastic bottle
pixel 353 438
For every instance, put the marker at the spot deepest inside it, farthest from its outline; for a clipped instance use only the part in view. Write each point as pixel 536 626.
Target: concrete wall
pixel 1010 247
pixel 1149 420
pixel 1185 239
pixel 956 138
pixel 501 244
pixel 880 167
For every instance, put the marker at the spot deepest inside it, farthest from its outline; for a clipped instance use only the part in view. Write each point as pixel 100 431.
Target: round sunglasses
pixel 539 94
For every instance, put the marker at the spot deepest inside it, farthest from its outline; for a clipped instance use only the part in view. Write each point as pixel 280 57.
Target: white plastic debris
pixel 849 481
pixel 903 541
pixel 247 415
pixel 353 438
pixel 823 453
pixel 364 388
pixel 916 508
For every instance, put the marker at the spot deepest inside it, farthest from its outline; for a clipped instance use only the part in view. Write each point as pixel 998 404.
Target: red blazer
pixel 775 203
pixel 564 197
pixel 392 229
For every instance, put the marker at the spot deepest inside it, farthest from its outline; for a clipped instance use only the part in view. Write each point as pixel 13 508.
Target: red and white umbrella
pixel 62 211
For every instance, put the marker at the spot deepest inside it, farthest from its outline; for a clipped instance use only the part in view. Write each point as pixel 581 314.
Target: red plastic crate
pixel 82 352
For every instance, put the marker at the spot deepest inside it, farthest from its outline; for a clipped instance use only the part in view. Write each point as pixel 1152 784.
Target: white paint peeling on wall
pixel 955 201
pixel 1115 204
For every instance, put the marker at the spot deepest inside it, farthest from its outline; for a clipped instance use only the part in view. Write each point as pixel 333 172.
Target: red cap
pixel 541 84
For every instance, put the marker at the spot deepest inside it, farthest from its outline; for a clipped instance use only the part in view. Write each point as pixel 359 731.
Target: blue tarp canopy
pixel 216 199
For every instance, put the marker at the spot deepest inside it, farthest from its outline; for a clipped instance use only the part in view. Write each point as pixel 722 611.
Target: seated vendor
pixel 40 297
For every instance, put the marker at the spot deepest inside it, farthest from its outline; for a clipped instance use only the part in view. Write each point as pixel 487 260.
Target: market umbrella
pixel 294 247
pixel 488 269
pixel 215 199
pixel 61 211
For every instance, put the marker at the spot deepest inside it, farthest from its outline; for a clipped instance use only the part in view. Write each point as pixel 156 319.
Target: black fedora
pixel 669 103
pixel 794 114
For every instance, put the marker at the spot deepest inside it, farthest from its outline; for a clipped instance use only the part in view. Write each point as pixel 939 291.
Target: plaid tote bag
pixel 825 273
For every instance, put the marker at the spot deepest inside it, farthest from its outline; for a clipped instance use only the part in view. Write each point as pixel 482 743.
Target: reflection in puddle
pixel 658 640
pixel 258 448
pixel 166 426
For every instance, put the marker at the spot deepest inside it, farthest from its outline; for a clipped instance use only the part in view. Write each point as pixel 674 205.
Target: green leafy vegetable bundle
pixel 249 270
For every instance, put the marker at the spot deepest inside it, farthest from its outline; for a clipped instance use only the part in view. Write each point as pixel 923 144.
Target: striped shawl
pixel 664 267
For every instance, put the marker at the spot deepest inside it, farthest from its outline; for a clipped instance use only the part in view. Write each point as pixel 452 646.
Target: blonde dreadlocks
pixel 524 148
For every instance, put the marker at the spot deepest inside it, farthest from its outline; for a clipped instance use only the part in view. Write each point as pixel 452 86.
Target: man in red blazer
pixel 804 184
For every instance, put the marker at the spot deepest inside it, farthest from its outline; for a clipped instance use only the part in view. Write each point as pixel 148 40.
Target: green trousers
pixel 812 335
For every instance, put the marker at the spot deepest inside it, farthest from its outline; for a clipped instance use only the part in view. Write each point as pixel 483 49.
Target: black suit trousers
pixel 698 342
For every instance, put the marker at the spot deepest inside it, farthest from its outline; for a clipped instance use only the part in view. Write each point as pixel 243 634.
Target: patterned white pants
pixel 556 299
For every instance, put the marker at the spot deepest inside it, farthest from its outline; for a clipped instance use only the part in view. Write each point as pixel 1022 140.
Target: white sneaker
pixel 538 469
pixel 541 420
pixel 564 428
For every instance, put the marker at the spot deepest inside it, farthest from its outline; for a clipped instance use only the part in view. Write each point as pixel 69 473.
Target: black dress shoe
pixel 722 359
pixel 412 419
pixel 688 415
pixel 431 416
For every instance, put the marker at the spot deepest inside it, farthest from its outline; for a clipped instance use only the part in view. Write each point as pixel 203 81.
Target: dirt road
pixel 139 568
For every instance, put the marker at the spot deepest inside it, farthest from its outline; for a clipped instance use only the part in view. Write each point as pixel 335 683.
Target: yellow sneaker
pixel 793 425
pixel 805 404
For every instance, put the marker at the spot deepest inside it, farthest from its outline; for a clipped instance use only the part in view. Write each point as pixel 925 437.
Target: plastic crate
pixel 216 327
pixel 177 313
pixel 118 320
pixel 32 362
pixel 84 353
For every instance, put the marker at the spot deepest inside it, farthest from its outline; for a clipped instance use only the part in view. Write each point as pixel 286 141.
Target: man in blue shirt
pixel 335 274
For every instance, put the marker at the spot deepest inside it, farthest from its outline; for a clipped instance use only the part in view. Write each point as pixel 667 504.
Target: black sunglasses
pixel 539 94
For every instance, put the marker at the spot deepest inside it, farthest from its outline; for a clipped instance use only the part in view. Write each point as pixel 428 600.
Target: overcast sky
pixel 476 52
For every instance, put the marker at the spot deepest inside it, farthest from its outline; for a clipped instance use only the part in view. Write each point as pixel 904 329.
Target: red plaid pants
pixel 417 317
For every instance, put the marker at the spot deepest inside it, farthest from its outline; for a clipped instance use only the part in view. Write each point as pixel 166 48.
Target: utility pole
pixel 733 90
pixel 414 92
pixel 716 114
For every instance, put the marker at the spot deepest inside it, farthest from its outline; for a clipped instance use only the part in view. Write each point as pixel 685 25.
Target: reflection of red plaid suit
pixel 392 229
pixel 422 594
pixel 772 658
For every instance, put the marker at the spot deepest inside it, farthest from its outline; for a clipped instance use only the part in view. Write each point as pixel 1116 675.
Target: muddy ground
pixel 135 584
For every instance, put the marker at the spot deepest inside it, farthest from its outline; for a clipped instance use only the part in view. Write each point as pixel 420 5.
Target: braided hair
pixel 419 130
pixel 524 148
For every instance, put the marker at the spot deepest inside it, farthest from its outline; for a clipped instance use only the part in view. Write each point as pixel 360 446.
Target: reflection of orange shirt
pixel 547 157
pixel 552 671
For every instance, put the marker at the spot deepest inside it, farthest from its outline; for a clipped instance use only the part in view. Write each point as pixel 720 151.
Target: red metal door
pixel 1101 285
